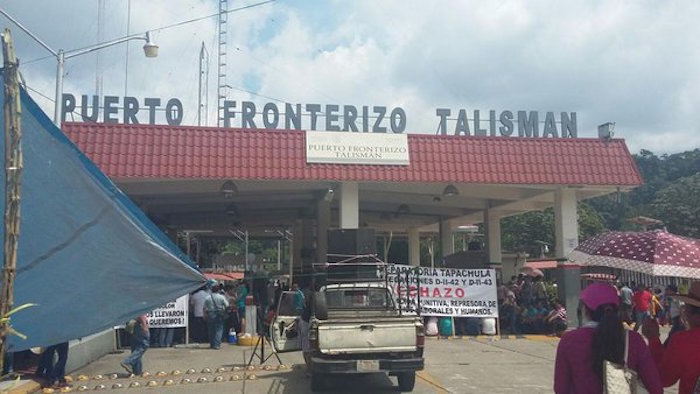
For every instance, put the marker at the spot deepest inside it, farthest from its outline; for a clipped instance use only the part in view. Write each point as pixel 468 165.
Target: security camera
pixel 328 197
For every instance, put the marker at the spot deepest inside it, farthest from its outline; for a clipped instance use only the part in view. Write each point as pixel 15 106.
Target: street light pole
pixel 58 103
pixel 150 50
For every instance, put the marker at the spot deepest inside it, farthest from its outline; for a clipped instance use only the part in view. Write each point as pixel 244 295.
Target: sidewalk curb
pixel 24 387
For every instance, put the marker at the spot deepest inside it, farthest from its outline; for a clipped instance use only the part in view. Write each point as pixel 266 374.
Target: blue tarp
pixel 87 255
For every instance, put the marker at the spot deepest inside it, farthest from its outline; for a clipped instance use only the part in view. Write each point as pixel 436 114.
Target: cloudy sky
pixel 633 63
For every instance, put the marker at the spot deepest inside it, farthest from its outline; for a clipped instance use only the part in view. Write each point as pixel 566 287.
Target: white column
pixel 323 220
pixel 446 241
pixel 297 245
pixel 349 205
pixel 492 224
pixel 413 247
pixel 565 222
pixel 566 233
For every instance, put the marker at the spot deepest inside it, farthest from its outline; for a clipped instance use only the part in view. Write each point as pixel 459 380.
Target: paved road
pixel 454 365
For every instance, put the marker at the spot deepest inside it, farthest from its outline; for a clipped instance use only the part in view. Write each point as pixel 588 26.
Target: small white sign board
pixel 356 148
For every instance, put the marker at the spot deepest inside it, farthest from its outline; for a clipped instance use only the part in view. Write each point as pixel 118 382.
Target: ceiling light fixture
pixel 228 189
pixel 450 191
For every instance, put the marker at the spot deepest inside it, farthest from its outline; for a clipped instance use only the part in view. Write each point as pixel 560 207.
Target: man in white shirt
pixel 675 309
pixel 199 327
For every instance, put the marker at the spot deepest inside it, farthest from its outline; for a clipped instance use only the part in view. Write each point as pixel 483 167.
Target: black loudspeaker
pixel 352 242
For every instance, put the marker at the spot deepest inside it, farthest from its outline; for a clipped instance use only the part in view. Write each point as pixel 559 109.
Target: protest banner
pixel 453 292
pixel 171 315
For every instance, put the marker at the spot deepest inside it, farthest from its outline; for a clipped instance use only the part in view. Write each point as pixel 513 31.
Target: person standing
pixel 55 374
pixel 216 311
pixel 578 367
pixel 642 303
pixel 165 337
pixel 241 306
pixel 626 303
pixel 680 360
pixel 540 290
pixel 140 341
pixel 298 298
pixel 674 309
pixel 198 324
pixel 304 322
pixel 527 292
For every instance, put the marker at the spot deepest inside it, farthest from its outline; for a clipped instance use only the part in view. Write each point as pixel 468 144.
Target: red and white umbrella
pixel 651 252
pixel 599 277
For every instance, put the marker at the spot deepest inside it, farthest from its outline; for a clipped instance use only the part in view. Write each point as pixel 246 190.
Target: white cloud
pixel 634 63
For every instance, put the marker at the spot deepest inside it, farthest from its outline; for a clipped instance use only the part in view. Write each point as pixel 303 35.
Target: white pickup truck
pixel 354 328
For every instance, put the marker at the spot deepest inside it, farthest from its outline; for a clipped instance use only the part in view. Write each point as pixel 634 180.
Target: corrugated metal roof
pixel 145 151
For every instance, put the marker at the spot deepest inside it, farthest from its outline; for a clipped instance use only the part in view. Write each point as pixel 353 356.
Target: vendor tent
pixel 87 255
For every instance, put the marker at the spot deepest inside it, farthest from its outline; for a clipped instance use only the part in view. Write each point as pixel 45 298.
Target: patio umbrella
pixel 533 272
pixel 651 252
pixel 599 277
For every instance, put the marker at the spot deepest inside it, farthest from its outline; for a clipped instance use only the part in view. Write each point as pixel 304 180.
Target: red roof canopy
pixel 222 276
pixel 541 264
pixel 148 151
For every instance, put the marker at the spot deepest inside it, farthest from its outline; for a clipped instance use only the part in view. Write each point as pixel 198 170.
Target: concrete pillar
pixel 446 241
pixel 413 247
pixel 568 276
pixel 349 205
pixel 297 245
pixel 565 222
pixel 323 221
pixel 307 256
pixel 492 224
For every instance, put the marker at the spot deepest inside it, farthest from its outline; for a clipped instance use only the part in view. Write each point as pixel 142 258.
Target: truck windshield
pixel 358 298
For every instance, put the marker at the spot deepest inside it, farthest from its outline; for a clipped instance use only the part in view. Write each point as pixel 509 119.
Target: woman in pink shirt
pixel 579 364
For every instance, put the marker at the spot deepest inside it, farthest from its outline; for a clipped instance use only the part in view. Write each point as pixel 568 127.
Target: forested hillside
pixel 671 193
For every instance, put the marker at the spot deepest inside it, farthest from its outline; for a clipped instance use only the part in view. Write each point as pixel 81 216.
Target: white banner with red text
pixel 446 291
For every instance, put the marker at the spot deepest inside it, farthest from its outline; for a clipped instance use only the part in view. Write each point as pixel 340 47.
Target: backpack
pixel 219 311
pixel 130 326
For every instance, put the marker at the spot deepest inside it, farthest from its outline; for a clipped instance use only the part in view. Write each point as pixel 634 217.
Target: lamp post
pixel 149 49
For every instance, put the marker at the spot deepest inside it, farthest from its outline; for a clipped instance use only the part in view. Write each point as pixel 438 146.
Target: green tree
pixel 658 172
pixel 519 233
pixel 678 205
pixel 522 232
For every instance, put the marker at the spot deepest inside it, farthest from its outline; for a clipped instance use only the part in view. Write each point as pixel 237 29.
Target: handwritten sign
pixel 171 315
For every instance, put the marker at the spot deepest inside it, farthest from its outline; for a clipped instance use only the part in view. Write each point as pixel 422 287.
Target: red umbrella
pixel 598 277
pixel 651 252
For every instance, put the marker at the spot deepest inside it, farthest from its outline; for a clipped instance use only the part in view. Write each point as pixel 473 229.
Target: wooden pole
pixel 13 181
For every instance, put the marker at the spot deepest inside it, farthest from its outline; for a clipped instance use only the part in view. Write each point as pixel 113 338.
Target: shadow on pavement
pixel 295 381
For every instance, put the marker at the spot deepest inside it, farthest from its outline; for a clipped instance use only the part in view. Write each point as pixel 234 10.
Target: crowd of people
pixel 640 302
pixel 608 335
pixel 525 307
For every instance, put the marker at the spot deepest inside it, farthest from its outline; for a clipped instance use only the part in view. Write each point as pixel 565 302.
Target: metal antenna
pixel 98 63
pixel 223 35
pixel 203 104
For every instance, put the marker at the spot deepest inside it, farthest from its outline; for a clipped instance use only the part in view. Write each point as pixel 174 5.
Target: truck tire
pixel 320 308
pixel 318 382
pixel 407 380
